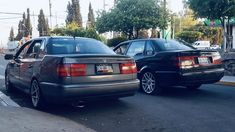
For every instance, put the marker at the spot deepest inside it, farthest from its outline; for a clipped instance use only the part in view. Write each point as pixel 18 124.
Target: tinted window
pixel 23 49
pixel 136 48
pixel 169 45
pixel 122 49
pixel 78 46
pixel 149 48
pixel 34 49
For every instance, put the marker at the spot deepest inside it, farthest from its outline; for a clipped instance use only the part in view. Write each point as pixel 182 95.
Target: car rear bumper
pixel 62 93
pixel 191 78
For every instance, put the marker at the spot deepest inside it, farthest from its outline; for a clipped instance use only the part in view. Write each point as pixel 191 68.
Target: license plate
pixel 104 68
pixel 203 60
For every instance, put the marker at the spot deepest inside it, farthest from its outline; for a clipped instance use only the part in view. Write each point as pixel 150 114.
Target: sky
pixel 58 11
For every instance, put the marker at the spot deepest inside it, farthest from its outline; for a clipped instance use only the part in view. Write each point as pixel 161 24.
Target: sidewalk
pixel 227 80
pixel 19 119
pixel 14 118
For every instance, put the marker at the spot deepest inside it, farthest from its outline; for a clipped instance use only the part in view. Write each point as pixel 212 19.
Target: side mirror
pixel 9 57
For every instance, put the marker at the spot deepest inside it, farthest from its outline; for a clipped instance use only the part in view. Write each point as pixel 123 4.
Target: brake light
pixel 186 62
pixel 71 70
pixel 216 58
pixel 128 68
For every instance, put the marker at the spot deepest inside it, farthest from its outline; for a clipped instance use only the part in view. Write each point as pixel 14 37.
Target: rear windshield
pixel 77 46
pixel 170 45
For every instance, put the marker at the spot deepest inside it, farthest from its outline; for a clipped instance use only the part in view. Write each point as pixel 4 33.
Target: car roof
pixel 157 39
pixel 61 37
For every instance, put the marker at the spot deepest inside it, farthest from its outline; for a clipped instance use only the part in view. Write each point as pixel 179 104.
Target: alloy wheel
pixel 148 83
pixel 35 93
pixel 7 82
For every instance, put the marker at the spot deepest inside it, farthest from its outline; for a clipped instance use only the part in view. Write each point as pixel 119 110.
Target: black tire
pixel 36 95
pixel 148 83
pixel 229 66
pixel 9 86
pixel 194 87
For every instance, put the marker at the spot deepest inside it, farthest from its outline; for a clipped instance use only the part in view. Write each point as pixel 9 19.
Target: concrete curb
pixel 226 83
pixel 6 101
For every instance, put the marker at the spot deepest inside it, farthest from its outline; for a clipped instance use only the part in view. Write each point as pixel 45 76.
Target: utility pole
pixel 164 6
pixel 225 36
pixel 104 4
pixel 50 6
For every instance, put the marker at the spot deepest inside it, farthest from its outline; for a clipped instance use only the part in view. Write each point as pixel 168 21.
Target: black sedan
pixel 63 69
pixel 162 63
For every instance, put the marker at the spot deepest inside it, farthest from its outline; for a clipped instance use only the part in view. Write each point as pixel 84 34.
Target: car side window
pixel 42 50
pixel 136 48
pixel 149 49
pixel 121 50
pixel 34 49
pixel 23 49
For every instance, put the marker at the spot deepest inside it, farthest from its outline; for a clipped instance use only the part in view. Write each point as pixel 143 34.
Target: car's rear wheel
pixel 9 86
pixel 194 87
pixel 36 95
pixel 149 84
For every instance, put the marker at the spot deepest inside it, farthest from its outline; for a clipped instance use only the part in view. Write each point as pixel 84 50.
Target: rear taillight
pixel 185 62
pixel 71 70
pixel 216 58
pixel 128 68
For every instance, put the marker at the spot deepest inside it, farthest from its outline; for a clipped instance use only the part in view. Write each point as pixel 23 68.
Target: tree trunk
pixel 137 33
pixel 223 22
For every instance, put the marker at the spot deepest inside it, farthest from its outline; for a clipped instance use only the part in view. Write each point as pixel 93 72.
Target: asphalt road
pixel 209 109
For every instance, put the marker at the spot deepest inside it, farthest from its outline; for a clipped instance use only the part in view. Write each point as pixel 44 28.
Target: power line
pixel 11 13
pixel 7 18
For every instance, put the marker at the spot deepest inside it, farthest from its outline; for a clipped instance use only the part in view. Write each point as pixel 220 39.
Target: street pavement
pixel 16 119
pixel 211 108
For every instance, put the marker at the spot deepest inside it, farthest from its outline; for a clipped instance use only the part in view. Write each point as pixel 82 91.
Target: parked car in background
pixel 201 44
pixel 162 63
pixel 12 45
pixel 215 46
pixel 65 69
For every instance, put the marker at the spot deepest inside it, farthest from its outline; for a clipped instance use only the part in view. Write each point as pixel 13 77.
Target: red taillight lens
pixel 78 69
pixel 128 68
pixel 64 70
pixel 216 58
pixel 71 70
pixel 186 62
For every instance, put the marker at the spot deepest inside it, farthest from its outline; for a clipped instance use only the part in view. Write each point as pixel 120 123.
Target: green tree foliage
pixel 201 32
pixel 130 16
pixel 21 28
pixel 74 14
pixel 28 26
pixel 91 18
pixel 213 9
pixel 24 26
pixel 190 36
pixel 91 33
pixel 115 41
pixel 43 26
pixel 70 15
pixel 12 36
pixel 72 29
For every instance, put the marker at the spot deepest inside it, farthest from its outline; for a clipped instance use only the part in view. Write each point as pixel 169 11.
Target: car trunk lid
pixel 199 60
pixel 97 68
